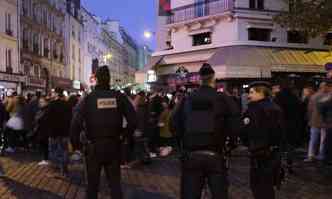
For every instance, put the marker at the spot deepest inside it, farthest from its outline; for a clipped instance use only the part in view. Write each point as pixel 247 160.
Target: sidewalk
pixel 159 180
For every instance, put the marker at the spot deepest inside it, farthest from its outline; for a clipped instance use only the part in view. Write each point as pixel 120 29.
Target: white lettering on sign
pixel 106 103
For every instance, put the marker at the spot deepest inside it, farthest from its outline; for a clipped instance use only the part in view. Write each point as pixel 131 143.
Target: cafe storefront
pixel 12 82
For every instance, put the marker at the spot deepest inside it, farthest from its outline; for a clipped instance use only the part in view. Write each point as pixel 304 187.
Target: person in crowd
pixel 14 129
pixel 325 110
pixel 262 132
pixel 128 144
pixel 41 130
pixel 30 110
pixel 72 101
pixel 317 131
pixel 155 109
pixel 3 120
pixel 141 133
pixel 166 136
pixel 307 93
pixel 59 117
pixel 203 120
pixel 102 112
pixel 292 110
pixel 235 94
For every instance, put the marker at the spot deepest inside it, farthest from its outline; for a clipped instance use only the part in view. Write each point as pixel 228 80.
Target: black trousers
pixel 262 178
pixel 43 144
pixel 329 145
pixel 201 170
pixel 97 159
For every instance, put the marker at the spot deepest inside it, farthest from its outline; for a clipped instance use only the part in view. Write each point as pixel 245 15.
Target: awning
pixel 192 61
pixel 259 62
pixel 188 57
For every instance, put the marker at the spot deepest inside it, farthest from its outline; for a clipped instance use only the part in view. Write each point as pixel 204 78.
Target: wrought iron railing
pixel 193 11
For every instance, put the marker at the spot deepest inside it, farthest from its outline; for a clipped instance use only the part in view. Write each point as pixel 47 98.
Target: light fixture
pixel 147 34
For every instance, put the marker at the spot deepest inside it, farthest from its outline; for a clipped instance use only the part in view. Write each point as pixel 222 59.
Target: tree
pixel 312 17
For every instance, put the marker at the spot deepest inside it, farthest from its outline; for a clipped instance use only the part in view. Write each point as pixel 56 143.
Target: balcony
pixel 197 10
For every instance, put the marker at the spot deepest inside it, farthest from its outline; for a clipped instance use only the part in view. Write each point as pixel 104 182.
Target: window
pixel 202 39
pixel 328 39
pixel 73 52
pixel 73 31
pixel 8 24
pixel 36 70
pixel 297 37
pixel 79 55
pixel 259 34
pixel 8 60
pixel 256 4
pixel 200 8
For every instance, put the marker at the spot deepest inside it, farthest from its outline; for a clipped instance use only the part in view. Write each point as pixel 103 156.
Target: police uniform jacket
pixel 225 122
pixel 262 126
pixel 100 114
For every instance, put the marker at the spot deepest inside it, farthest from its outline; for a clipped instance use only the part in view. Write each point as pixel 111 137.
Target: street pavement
pixel 159 180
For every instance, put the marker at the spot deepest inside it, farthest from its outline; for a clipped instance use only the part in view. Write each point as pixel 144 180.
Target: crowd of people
pixel 44 122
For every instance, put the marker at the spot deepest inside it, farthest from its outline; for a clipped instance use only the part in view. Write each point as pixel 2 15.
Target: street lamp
pixel 147 34
pixel 107 57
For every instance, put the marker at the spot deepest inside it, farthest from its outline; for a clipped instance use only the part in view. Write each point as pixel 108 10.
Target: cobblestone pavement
pixel 160 180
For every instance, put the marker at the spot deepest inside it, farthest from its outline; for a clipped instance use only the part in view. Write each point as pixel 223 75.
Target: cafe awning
pixel 260 62
pixel 246 61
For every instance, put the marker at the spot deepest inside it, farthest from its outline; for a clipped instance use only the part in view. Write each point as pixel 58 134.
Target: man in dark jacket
pixel 155 110
pixel 58 116
pixel 325 109
pixel 30 111
pixel 3 119
pixel 203 120
pixel 292 110
pixel 100 114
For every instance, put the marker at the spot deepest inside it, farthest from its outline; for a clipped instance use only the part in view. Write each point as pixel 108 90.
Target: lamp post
pixel 148 34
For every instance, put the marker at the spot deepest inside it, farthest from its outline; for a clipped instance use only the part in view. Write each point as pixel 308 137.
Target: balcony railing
pixel 197 10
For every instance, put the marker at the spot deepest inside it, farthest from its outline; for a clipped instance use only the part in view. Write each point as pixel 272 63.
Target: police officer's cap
pixel 206 70
pixel 260 83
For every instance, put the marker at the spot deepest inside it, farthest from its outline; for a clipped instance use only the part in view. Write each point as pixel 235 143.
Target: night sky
pixel 135 15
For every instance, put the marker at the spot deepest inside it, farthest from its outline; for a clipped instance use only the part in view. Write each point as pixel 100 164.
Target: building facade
pixel 10 73
pixel 74 42
pixel 239 38
pixel 144 56
pixel 42 42
pixel 106 44
pixel 94 48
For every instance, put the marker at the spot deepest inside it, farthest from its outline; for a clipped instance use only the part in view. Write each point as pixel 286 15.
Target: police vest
pixel 103 116
pixel 200 120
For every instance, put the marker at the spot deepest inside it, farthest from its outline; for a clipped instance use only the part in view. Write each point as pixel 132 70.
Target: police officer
pixel 262 131
pixel 100 114
pixel 203 119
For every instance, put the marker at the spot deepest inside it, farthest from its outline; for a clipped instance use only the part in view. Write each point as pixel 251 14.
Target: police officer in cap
pixel 262 131
pixel 203 119
pixel 100 115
